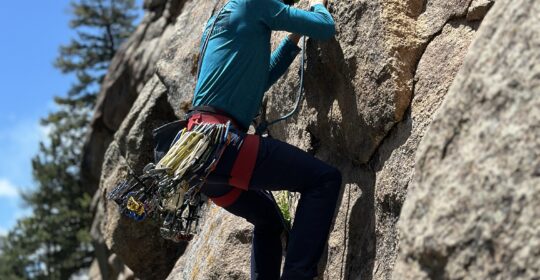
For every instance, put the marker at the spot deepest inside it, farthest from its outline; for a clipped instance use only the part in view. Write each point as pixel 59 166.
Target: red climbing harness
pixel 206 117
pixel 241 172
pixel 244 164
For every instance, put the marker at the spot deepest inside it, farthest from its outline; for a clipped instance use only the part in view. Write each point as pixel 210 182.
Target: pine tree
pixel 54 242
pixel 101 25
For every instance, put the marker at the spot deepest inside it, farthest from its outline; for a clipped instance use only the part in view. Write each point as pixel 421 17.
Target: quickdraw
pixel 169 191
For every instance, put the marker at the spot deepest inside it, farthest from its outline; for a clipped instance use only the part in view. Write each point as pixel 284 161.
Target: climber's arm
pixel 282 58
pixel 316 23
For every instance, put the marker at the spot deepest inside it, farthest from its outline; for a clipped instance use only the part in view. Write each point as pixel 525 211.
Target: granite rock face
pixel 132 66
pixel 426 44
pixel 395 159
pixel 478 9
pixel 371 94
pixel 221 250
pixel 137 244
pixel 472 211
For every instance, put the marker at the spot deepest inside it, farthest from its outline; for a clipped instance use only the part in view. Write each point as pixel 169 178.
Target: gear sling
pixel 244 164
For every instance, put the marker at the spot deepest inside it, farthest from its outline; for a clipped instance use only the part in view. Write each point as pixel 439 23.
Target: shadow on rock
pixel 329 89
pixel 339 127
pixel 360 235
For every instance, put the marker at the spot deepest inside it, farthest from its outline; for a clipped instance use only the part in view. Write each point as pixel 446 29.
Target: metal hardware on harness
pixel 169 191
pixel 263 126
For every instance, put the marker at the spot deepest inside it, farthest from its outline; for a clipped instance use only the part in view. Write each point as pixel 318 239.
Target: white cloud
pixel 3 232
pixel 19 143
pixel 7 189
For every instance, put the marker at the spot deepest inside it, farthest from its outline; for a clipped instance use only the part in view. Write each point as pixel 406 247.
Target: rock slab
pixel 472 211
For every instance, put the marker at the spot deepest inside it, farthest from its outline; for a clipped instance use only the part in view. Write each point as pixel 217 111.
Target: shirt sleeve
pixel 281 59
pixel 316 23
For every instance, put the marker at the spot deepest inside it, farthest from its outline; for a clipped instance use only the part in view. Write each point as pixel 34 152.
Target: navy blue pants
pixel 281 166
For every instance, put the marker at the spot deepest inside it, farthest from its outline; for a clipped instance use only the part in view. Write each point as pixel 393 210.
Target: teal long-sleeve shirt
pixel 237 67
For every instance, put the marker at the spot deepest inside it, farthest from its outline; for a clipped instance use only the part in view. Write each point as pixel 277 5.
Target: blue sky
pixel 32 32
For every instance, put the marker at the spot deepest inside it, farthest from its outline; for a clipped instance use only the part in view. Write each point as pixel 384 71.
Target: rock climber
pixel 236 69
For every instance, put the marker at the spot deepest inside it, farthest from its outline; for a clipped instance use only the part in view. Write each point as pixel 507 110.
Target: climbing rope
pixel 284 198
pixel 263 126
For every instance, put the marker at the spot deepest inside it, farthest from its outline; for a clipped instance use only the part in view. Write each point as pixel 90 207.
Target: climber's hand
pixel 315 2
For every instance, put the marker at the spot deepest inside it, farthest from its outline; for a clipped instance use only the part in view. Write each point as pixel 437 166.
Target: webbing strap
pixel 207 39
pixel 245 162
pixel 196 117
pixel 227 199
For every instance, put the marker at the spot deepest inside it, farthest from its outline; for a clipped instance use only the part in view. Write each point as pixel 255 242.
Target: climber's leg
pixel 281 166
pixel 258 208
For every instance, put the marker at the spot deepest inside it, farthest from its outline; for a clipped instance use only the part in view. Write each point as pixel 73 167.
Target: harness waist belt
pixel 204 117
pixel 244 163
pixel 218 112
